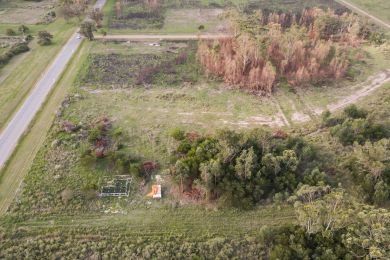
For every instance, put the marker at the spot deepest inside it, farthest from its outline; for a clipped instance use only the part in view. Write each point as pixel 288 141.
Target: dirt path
pixel 372 84
pixel 142 37
pixel 361 11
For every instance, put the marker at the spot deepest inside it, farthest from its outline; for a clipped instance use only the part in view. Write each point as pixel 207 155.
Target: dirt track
pixel 143 37
pixel 372 84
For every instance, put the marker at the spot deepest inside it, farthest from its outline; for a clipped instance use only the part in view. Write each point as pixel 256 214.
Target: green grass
pixel 12 175
pixel 26 12
pixel 185 17
pixel 308 100
pixel 378 8
pixel 147 114
pixel 21 74
pixel 158 233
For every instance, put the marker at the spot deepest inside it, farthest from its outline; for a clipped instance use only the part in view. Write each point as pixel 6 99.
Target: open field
pixel 19 11
pixel 378 8
pixel 186 16
pixel 12 175
pixel 148 91
pixel 146 110
pixel 145 233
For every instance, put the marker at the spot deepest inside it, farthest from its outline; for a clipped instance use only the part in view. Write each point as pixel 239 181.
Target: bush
pixel 353 112
pixel 178 134
pixel 10 32
pixel 13 51
pixel 23 29
pixel 44 38
pixel 355 125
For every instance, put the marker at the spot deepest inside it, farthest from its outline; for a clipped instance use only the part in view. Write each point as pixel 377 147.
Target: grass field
pixel 186 16
pixel 147 91
pixel 175 95
pixel 378 8
pixel 21 74
pixel 148 233
pixel 14 172
pixel 19 11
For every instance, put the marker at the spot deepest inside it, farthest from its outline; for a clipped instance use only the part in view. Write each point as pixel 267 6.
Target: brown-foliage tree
pixel 266 50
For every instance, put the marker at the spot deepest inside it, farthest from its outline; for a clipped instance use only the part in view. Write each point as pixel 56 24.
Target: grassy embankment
pixel 19 76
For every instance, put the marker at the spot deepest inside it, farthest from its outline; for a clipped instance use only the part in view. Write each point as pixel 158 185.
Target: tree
pixel 73 8
pixel 86 29
pixel 97 16
pixel 369 234
pixel 368 164
pixel 268 49
pixel 23 29
pixel 320 210
pixel 246 164
pixel 44 38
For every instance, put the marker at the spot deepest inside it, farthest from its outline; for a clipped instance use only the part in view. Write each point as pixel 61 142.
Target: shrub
pixel 44 38
pixel 178 134
pixel 10 32
pixel 355 125
pixel 353 112
pixel 23 29
pixel 13 51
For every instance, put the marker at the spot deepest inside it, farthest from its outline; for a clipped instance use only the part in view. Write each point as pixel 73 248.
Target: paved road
pixel 361 11
pixel 15 129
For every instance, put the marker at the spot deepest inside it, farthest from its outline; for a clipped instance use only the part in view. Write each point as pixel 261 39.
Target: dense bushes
pixel 106 149
pixel 241 169
pixel 368 162
pixel 369 167
pixel 354 125
pixel 13 51
pixel 276 48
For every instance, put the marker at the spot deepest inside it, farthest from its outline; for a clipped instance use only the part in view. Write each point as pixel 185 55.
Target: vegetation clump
pixel 138 15
pixel 106 149
pixel 241 170
pixel 44 38
pixel 126 70
pixel 283 48
pixel 15 49
pixel 354 125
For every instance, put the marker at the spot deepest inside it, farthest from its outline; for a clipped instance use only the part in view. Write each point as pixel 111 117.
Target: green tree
pixel 246 164
pixel 319 209
pixel 23 29
pixel 86 29
pixel 44 38
pixel 369 234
